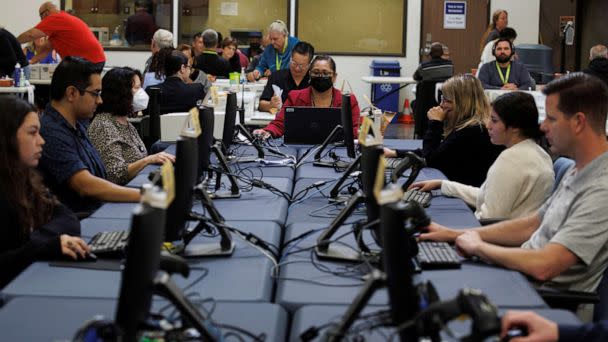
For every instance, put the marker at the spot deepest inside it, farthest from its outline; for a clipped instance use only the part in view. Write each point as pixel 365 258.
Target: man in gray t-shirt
pixel 564 244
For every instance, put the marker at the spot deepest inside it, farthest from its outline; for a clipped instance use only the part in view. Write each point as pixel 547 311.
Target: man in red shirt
pixel 67 34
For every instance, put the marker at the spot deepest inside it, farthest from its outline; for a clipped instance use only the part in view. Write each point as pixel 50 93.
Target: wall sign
pixel 455 15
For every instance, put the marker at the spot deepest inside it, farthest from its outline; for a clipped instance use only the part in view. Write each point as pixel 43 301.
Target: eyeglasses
pixel 298 66
pixel 317 73
pixel 43 13
pixel 94 93
pixel 445 99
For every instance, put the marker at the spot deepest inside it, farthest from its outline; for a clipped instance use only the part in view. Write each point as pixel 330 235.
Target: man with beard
pixel 504 73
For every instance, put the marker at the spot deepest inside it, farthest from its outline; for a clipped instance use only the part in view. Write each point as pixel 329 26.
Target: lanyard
pixel 279 62
pixel 210 52
pixel 504 78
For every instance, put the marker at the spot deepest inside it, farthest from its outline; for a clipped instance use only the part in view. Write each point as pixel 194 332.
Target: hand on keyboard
pixel 426 185
pixel 261 134
pixel 437 232
pixel 74 247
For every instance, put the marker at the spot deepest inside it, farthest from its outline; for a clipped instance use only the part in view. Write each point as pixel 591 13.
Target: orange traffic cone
pixel 406 117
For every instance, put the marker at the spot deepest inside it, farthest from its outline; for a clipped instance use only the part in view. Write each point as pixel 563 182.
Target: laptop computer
pixel 309 125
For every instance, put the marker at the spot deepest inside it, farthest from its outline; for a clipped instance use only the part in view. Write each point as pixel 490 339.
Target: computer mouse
pixel 90 257
pixel 515 332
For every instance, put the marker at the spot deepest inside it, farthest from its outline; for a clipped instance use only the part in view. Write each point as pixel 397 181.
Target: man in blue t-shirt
pixel 71 166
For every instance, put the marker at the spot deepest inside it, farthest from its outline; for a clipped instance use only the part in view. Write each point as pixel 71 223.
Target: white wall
pixel 523 17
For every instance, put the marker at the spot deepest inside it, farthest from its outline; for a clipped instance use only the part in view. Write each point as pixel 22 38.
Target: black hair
pixel 436 50
pixel 137 72
pixel 518 110
pixel 498 41
pixel 118 101
pixel 304 48
pixel 197 35
pixel 157 65
pixel 327 58
pixel 507 33
pixel 72 71
pixel 21 185
pixel 580 92
pixel 174 62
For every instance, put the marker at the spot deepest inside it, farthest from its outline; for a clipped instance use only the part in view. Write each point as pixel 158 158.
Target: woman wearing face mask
pixel 117 141
pixel 35 226
pixel 522 176
pixel 456 140
pixel 320 93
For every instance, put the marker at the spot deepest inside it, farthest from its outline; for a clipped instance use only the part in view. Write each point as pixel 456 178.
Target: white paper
pixel 278 92
pixel 455 15
pixel 229 8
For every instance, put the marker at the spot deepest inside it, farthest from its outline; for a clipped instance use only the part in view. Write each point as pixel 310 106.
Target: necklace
pixel 312 98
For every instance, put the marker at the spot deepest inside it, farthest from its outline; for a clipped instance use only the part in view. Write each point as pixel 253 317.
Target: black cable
pixel 261 337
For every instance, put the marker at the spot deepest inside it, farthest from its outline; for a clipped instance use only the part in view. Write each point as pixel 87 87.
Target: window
pixel 241 19
pixel 122 24
pixel 353 27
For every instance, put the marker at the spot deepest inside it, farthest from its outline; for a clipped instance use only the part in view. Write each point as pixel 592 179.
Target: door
pixel 463 43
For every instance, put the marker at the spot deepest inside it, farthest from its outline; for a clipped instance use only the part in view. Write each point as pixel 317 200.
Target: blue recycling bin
pixel 386 95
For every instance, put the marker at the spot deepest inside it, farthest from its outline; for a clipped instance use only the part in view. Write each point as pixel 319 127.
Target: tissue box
pixel 46 71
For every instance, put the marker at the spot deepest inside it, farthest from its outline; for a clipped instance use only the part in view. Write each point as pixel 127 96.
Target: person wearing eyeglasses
pixel 71 165
pixel 294 78
pixel 320 94
pixel 178 94
pixel 456 140
pixel 67 34
pixel 277 54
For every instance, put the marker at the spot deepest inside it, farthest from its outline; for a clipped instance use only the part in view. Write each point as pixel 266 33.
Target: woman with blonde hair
pixel 500 20
pixel 456 141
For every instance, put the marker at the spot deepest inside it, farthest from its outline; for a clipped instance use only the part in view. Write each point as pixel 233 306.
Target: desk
pixel 38 319
pixel 255 205
pixel 317 315
pixel 224 281
pixel 29 90
pixel 293 293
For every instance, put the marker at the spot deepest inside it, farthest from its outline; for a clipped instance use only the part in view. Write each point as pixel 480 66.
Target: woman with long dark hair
pixel 34 224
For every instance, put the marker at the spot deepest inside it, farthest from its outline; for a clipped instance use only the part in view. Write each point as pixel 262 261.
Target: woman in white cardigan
pixel 522 176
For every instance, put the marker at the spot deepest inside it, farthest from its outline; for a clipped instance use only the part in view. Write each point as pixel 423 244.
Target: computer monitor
pixel 205 139
pixel 186 167
pixel 370 156
pixel 538 59
pixel 347 125
pixel 180 213
pixel 229 120
pixel 141 267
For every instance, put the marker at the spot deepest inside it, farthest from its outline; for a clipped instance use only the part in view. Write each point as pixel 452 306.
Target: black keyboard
pixel 421 197
pixel 109 244
pixel 437 255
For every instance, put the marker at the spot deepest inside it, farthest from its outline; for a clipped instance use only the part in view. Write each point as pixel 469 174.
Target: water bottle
pixel 17 74
pixel 21 78
pixel 243 78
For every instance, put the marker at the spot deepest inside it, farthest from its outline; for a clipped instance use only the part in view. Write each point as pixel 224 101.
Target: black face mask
pixel 321 83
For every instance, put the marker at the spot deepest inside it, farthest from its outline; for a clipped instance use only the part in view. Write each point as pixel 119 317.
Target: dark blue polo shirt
pixel 68 150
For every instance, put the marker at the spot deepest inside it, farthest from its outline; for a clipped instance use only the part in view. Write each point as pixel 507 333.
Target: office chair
pixel 425 100
pixel 570 300
pixel 150 123
pixel 560 166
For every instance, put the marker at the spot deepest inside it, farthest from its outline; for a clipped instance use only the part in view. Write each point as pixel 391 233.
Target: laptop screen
pixel 310 125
